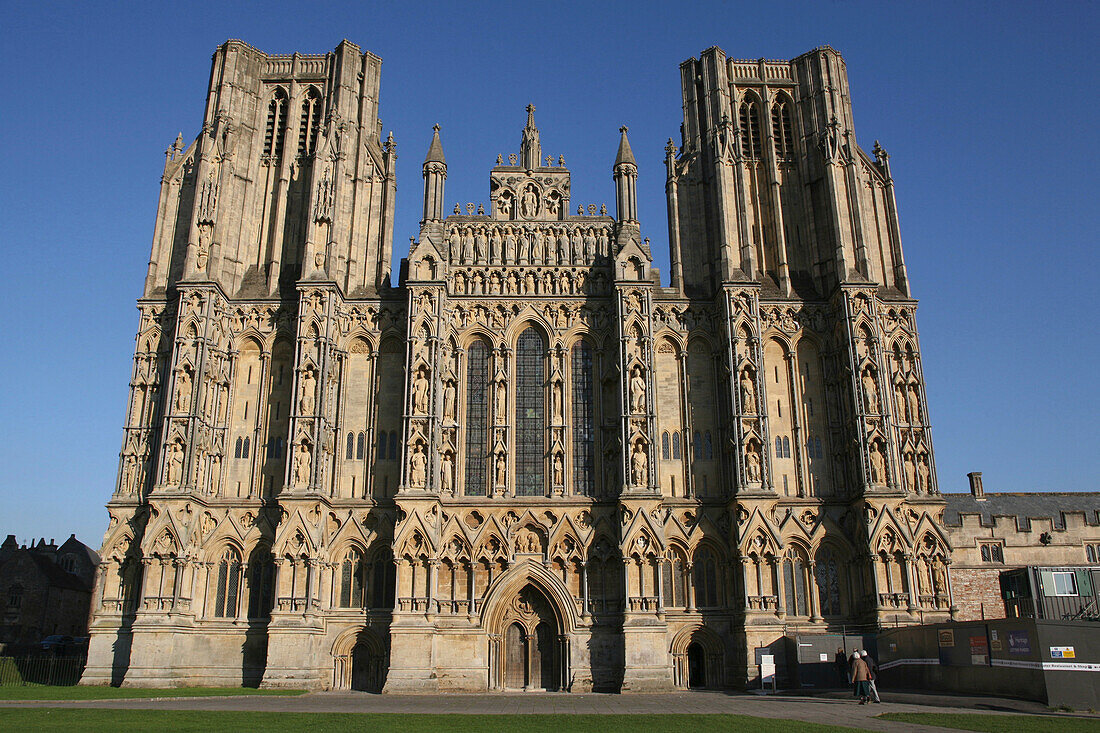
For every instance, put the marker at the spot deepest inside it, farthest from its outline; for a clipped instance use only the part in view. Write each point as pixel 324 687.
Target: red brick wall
pixel 975 588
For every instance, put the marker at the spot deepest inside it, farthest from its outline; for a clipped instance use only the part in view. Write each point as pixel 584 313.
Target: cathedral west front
pixel 526 459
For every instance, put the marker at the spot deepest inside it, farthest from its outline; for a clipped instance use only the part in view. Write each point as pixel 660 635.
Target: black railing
pixel 40 670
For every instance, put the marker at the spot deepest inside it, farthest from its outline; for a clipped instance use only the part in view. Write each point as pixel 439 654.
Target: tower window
pixel 782 130
pixel 275 130
pixel 584 423
pixel 310 125
pixel 477 419
pixel 530 414
pixel 750 130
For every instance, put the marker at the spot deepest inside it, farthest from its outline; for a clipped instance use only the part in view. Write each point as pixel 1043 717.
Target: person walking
pixel 872 669
pixel 861 675
pixel 840 661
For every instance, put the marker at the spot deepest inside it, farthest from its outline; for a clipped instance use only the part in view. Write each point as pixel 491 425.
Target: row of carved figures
pixel 527 245
pixel 530 282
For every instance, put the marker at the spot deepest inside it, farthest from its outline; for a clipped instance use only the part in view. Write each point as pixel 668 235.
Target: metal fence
pixel 40 670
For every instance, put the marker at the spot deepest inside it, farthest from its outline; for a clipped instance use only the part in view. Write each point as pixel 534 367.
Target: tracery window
pixel 794 583
pixel 665 452
pixel 1092 553
pixel 477 419
pixel 584 422
pixel 992 552
pixel 15 596
pixel 750 130
pixel 530 415
pixel 382 439
pixel 349 453
pixel 310 124
pixel 828 581
pixel 782 130
pixel 395 445
pixel 708 446
pixel 229 584
pixel 675 580
pixel 360 446
pixel 353 580
pixel 697 443
pixel 706 579
pixel 261 583
pixel 241 449
pixel 275 130
pixel 676 445
pixel 383 577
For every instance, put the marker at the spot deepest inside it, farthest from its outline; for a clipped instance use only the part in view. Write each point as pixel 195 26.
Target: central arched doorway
pixel 360 661
pixel 532 654
pixel 697 665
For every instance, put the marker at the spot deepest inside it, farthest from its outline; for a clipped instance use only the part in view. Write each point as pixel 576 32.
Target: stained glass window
pixel 530 415
pixel 584 423
pixel 477 419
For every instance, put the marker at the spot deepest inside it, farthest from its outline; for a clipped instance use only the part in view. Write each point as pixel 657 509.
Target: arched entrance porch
pixel 698 660
pixel 360 661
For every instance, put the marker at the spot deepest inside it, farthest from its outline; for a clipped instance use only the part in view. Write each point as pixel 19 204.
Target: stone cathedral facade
pixel 531 463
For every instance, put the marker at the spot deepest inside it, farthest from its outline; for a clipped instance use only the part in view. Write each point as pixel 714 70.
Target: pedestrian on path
pixel 861 675
pixel 841 663
pixel 872 668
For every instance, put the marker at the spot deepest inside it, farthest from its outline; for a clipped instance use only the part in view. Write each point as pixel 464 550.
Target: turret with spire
pixel 435 173
pixel 626 180
pixel 530 151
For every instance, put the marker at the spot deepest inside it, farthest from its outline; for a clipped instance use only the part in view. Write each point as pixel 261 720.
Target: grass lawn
pixel 163 721
pixel 49 692
pixel 997 723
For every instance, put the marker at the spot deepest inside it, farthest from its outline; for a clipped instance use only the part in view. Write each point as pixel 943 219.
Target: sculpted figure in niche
pixel 911 472
pixel 502 401
pixel 447 467
pixel 449 401
pixel 559 470
pixel 914 405
pixel 939 578
pixel 128 475
pixel 504 205
pixel 529 204
pixel 495 243
pixel 501 469
pixel 752 463
pixel 215 473
pixel 536 247
pixel 418 466
pixel 899 398
pixel 878 464
pixel 589 245
pixel 639 465
pixel 183 391
pixel 748 393
pixel 576 247
pixel 420 392
pixel 529 283
pixel 309 392
pixel 924 474
pixel 509 246
pixel 453 246
pixel 479 245
pixel 526 238
pixel 467 246
pixel 870 391
pixel 555 403
pixel 637 391
pixel 563 247
pixel 175 463
pixel 302 463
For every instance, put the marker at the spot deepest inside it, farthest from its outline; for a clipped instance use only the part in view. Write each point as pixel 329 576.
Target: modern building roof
pixel 1024 506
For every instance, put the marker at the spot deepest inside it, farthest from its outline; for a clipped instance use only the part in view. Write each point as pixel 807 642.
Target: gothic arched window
pixel 229 584
pixel 350 453
pixel 706 579
pixel 676 445
pixel 395 445
pixel 750 130
pixel 383 577
pixel 275 130
pixel 247 446
pixel 360 446
pixel 778 447
pixel 666 453
pixel 261 583
pixel 477 419
pixel 353 580
pixel 675 580
pixel 697 443
pixel 310 124
pixel 382 445
pixel 782 130
pixel 584 421
pixel 794 583
pixel 708 446
pixel 786 447
pixel 530 414
pixel 828 581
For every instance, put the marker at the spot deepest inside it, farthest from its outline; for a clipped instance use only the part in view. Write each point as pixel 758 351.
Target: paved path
pixel 835 708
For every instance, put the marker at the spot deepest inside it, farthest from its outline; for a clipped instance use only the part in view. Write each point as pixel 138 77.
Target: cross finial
pixel 624 129
pixel 435 127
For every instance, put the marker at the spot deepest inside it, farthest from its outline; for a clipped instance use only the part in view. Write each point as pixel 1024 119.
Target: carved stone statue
pixel 447 470
pixel 479 246
pixel 302 463
pixel 420 392
pixel 529 204
pixel 509 246
pixel 752 464
pixel 939 578
pixel 309 393
pixel 559 470
pixel 924 474
pixel 748 393
pixel 449 400
pixel 502 402
pixel 175 463
pixel 899 399
pixel 870 391
pixel 637 391
pixel 911 472
pixel 467 246
pixel 555 403
pixel 418 466
pixel 914 405
pixel 501 470
pixel 183 391
pixel 878 464
pixel 639 466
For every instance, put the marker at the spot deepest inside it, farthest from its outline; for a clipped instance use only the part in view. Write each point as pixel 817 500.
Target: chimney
pixel 976 485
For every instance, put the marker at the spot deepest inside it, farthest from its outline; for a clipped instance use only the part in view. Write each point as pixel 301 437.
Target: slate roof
pixel 1024 506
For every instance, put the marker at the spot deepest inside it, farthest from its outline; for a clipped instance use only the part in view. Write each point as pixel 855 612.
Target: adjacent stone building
pixel 533 463
pixel 44 590
pixel 994 532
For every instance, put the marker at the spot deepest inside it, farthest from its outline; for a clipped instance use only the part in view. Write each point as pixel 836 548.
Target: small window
pixel 279 447
pixel 1092 553
pixel 778 447
pixel 349 450
pixel 238 448
pixel 15 596
pixel 817 448
pixel 697 444
pixel 1065 584
pixel 246 447
pixel 676 446
pixel 360 446
pixel 666 452
pixel 708 446
pixel 786 447
pixel 395 445
pixel 382 444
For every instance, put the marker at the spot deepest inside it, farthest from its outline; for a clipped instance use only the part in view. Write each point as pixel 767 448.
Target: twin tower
pixel 530 463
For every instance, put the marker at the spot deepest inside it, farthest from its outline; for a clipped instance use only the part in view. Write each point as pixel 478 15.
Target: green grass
pixel 998 723
pixel 164 721
pixel 48 692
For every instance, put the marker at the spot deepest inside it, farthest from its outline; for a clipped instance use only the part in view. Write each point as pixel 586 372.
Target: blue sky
pixel 987 110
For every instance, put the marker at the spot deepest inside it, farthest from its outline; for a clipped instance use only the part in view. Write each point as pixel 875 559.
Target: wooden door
pixel 697 666
pixel 515 658
pixel 546 665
